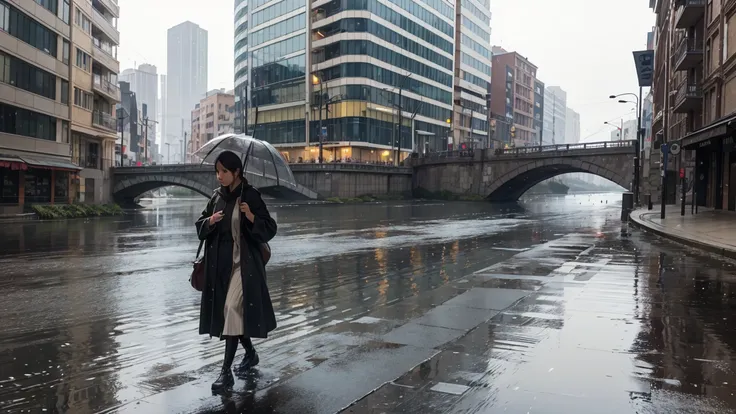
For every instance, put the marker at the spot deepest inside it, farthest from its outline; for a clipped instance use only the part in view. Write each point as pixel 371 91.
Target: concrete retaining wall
pixel 353 180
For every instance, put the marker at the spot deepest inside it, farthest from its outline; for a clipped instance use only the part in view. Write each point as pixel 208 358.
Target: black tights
pixel 231 347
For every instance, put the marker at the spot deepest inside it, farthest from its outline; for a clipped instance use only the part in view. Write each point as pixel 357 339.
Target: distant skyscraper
pixel 144 82
pixel 572 127
pixel 186 82
pixel 555 112
pixel 162 114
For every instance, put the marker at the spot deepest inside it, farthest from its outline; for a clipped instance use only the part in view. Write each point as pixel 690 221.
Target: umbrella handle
pixel 245 163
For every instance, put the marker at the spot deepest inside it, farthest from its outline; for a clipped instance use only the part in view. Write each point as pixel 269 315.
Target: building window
pixel 49 5
pixel 27 29
pixel 65 52
pixel 83 99
pixel 65 132
pixel 5 68
pixel 61 186
pixel 64 92
pixel 38 185
pixel 65 11
pixel 81 20
pixel 20 74
pixel 4 17
pixel 19 121
pixel 84 61
pixel 9 185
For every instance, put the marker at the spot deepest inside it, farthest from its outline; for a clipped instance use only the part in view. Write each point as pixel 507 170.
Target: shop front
pixel 715 164
pixel 25 181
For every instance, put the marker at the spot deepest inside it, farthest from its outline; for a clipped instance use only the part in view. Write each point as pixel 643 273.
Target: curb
pixel 642 224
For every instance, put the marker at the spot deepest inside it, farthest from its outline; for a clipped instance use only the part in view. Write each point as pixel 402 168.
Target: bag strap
pixel 199 250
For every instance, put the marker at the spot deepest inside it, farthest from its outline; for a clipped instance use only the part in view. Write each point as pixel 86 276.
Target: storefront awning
pixel 50 164
pixel 715 131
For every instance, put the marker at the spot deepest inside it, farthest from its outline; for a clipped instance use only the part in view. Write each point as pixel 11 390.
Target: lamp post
pixel 637 146
pixel 317 79
pixel 620 128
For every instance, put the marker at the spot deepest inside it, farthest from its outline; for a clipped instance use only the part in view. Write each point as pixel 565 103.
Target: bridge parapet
pixel 589 149
pixel 347 167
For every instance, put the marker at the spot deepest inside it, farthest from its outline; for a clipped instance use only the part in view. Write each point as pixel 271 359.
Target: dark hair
pixel 231 162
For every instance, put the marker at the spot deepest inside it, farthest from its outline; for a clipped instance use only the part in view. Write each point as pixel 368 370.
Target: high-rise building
pixel 143 81
pixel 211 117
pixel 572 127
pixel 539 90
pixel 353 70
pixel 555 113
pixel 57 98
pixel 162 118
pixel 512 98
pixel 186 82
pixel 473 67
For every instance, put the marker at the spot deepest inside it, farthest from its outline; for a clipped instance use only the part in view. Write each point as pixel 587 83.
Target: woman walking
pixel 236 305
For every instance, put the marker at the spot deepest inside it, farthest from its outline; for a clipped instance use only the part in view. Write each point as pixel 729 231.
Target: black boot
pixel 250 359
pixel 226 380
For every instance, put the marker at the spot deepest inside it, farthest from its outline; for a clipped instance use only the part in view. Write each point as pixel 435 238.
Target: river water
pixel 95 312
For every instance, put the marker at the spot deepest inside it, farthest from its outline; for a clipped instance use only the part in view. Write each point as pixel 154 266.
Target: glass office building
pixel 368 60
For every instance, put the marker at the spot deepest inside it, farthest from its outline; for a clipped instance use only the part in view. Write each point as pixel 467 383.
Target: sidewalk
pixel 710 230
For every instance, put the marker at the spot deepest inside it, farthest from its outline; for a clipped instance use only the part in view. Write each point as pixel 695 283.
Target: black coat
pixel 258 315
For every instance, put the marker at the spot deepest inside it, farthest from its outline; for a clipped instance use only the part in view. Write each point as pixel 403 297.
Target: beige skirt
pixel 234 325
pixel 234 306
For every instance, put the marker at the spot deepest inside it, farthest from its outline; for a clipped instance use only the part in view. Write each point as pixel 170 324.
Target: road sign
pixel 324 131
pixel 674 148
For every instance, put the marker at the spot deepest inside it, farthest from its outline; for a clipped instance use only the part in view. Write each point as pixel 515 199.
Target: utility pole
pixel 146 121
pixel 121 118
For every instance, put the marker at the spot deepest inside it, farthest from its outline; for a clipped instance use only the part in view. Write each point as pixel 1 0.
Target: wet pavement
pixel 399 308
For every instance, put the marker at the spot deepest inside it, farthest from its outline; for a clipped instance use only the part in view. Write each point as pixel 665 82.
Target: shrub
pixel 69 211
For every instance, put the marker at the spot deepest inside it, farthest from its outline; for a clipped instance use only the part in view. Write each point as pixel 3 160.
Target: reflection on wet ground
pixel 439 307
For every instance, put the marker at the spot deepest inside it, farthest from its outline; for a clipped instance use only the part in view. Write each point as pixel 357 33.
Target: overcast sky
pixel 583 46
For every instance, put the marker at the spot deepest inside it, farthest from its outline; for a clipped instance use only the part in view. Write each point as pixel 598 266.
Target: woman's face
pixel 224 176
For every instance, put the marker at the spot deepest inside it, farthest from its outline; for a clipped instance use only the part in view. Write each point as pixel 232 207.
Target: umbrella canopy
pixel 259 157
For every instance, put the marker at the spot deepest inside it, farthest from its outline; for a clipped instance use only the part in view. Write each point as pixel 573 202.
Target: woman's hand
pixel 245 209
pixel 215 218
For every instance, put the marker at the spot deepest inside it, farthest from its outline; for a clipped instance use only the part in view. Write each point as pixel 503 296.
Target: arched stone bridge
pixel 129 183
pixel 504 175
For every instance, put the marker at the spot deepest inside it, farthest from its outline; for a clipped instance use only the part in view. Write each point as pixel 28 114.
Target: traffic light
pixel 463 146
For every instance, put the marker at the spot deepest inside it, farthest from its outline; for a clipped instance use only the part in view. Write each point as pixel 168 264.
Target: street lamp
pixel 638 145
pixel 317 79
pixel 620 128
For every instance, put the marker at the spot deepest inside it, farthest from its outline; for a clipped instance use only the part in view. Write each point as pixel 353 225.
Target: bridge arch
pixel 129 189
pixel 129 183
pixel 511 185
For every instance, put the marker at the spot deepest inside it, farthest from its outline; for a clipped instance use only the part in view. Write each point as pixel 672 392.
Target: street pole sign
pixel 323 133
pixel 665 153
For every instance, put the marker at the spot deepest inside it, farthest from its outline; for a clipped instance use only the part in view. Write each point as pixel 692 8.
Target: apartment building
pixel 58 76
pixel 513 97
pixel 346 73
pixel 211 117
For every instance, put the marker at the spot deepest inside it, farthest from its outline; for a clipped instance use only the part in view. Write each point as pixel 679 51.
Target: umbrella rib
pixel 276 170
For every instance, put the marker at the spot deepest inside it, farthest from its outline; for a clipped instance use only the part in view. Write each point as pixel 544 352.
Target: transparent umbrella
pixel 259 158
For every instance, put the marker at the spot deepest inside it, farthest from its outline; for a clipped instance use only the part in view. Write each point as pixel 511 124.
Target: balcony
pixel 111 6
pixel 105 121
pixel 105 87
pixel 689 54
pixel 689 97
pixel 689 13
pixel 105 25
pixel 104 54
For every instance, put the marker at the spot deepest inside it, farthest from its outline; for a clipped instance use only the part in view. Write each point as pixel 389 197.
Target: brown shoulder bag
pixel 197 278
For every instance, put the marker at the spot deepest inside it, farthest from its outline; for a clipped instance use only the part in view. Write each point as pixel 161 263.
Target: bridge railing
pixel 566 147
